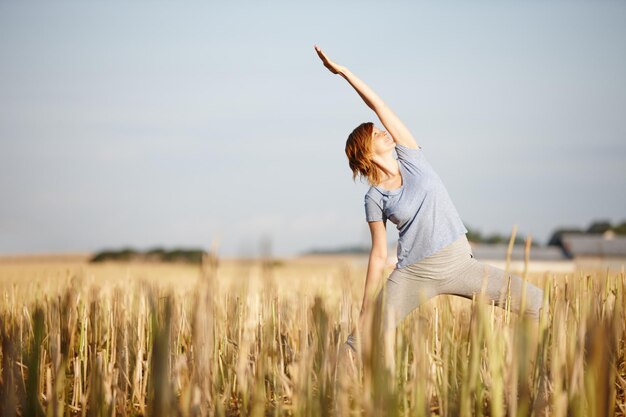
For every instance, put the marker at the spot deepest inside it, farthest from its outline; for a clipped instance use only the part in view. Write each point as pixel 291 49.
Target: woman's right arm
pixel 375 267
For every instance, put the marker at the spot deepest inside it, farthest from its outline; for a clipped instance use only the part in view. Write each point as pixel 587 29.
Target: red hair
pixel 359 153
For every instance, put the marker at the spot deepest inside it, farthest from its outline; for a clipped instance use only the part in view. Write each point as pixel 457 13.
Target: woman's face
pixel 382 143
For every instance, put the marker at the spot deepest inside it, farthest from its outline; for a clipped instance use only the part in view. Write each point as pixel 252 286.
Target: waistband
pixel 450 258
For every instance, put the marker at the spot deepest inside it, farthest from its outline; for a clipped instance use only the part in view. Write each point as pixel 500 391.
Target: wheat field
pixel 265 338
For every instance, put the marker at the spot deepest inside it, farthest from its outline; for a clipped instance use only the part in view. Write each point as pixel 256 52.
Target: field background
pixel 234 337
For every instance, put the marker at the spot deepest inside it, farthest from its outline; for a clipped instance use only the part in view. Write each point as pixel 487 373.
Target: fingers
pixel 327 62
pixel 320 53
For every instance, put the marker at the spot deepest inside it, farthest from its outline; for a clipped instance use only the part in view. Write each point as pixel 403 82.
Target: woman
pixel 434 256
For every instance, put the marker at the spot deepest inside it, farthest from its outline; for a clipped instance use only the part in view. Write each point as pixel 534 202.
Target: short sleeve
pixel 413 158
pixel 373 210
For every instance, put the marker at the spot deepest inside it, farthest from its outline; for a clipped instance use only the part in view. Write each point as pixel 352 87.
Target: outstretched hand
pixel 332 67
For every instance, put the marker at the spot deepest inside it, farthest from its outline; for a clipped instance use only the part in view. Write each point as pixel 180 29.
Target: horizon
pixel 310 251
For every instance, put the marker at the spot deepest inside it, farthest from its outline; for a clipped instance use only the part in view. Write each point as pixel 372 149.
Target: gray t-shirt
pixel 421 208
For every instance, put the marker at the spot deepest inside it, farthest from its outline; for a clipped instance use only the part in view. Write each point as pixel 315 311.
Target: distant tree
pixel 341 250
pixel 125 254
pixel 156 251
pixel 495 238
pixel 620 229
pixel 521 240
pixel 599 226
pixel 155 254
pixel 473 235
pixel 183 255
pixel 152 255
pixel 102 256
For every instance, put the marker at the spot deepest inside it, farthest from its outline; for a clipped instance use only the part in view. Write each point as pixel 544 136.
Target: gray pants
pixel 452 270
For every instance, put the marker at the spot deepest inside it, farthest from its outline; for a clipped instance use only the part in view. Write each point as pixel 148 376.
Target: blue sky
pixel 174 124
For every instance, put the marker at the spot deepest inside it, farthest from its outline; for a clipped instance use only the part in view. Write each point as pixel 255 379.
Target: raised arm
pixel 388 118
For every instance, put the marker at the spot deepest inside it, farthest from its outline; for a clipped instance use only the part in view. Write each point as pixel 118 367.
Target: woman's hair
pixel 359 153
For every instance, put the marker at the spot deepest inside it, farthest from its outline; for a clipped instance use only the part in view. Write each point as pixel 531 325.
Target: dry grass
pixel 237 339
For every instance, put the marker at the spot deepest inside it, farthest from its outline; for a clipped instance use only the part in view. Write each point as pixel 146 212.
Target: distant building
pixel 604 245
pixel 497 251
pixel 567 251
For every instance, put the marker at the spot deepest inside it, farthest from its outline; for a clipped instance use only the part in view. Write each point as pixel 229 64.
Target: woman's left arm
pixel 388 118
